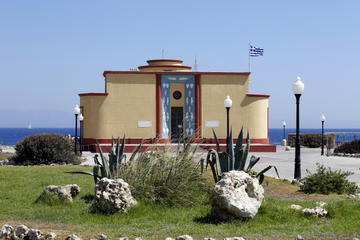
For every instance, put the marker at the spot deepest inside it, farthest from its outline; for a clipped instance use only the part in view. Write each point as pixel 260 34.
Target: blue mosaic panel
pixel 189 108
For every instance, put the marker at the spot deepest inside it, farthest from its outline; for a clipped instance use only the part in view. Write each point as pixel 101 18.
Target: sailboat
pixel 29 127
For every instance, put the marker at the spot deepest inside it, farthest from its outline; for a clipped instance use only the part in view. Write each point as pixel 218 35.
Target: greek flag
pixel 255 52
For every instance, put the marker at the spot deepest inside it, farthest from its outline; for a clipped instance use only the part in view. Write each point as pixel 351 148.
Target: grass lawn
pixel 20 187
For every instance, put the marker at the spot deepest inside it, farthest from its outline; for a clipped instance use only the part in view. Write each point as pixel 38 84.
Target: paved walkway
pixel 285 162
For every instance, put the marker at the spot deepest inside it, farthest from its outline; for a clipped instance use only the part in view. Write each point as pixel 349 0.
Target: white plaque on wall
pixel 144 124
pixel 211 123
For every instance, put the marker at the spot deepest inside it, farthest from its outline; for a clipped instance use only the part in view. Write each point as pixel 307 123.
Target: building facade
pixel 164 100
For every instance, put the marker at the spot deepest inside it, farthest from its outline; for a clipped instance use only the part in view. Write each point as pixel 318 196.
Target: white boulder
pixel 50 236
pixel 21 231
pixel 112 195
pixel 184 237
pixel 236 194
pixel 34 234
pixel 67 192
pixel 6 232
pixel 296 207
pixel 72 237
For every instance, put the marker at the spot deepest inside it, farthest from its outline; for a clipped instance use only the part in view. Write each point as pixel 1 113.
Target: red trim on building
pixel 176 73
pixel 164 66
pixel 258 95
pixel 223 140
pixel 164 60
pixel 93 94
pixel 197 106
pixel 158 106
pixel 268 122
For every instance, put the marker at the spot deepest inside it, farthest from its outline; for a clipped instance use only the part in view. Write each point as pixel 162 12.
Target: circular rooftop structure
pixel 165 65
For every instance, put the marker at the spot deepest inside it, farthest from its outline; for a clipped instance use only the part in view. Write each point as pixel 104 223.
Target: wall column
pixel 158 106
pixel 197 106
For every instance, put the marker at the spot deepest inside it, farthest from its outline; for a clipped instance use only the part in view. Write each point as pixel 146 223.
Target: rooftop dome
pixel 166 65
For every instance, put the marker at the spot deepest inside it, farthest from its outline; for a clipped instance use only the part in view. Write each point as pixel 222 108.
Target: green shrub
pixel 310 140
pixel 349 147
pixel 327 181
pixel 166 176
pixel 44 149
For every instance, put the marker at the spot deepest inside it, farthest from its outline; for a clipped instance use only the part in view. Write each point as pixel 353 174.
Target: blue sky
pixel 52 50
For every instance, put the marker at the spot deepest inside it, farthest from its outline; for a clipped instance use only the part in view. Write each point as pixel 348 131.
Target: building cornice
pixel 176 73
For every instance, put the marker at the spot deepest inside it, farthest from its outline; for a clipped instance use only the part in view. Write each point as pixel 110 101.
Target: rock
pixel 67 192
pixel 72 237
pixel 34 234
pixel 317 211
pixel 355 239
pixel 206 238
pixel 299 237
pixel 6 231
pixel 21 231
pixel 184 237
pixel 236 194
pixel 295 207
pixel 102 237
pixel 112 195
pixel 169 238
pixel 320 204
pixel 50 236
pixel 295 181
pixel 137 238
pixel 123 238
pixel 4 162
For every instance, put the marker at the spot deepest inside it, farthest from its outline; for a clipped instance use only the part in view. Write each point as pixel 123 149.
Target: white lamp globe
pixel 81 117
pixel 323 118
pixel 298 86
pixel 284 123
pixel 76 109
pixel 227 102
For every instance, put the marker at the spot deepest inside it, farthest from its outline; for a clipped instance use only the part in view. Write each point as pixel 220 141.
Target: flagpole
pixel 249 57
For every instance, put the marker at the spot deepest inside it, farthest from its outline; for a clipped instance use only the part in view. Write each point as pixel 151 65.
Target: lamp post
pixel 322 133
pixel 284 125
pixel 81 118
pixel 227 103
pixel 76 112
pixel 298 89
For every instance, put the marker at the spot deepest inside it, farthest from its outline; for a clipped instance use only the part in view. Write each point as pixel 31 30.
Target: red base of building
pixel 257 145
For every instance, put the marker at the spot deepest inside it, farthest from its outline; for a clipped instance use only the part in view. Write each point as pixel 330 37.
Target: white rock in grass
pixel 67 192
pixel 320 204
pixel 112 195
pixel 6 232
pixel 137 238
pixel 34 234
pixel 21 231
pixel 236 194
pixel 123 238
pixel 169 238
pixel 299 237
pixel 184 237
pixel 72 237
pixel 208 238
pixel 50 236
pixel 296 207
pixel 102 237
pixel 317 211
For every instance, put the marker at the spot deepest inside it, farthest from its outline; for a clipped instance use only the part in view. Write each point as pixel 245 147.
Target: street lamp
pixel 227 103
pixel 322 133
pixel 76 112
pixel 81 118
pixel 284 125
pixel 298 89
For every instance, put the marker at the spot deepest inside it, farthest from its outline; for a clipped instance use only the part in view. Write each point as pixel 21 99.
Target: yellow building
pixel 164 100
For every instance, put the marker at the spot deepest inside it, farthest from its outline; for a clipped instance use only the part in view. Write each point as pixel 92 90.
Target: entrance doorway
pixel 176 124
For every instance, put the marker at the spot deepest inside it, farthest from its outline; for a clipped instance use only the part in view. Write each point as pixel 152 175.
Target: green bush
pixel 44 149
pixel 349 147
pixel 166 176
pixel 307 140
pixel 327 181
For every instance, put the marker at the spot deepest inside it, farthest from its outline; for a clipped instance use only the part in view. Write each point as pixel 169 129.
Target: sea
pixel 10 136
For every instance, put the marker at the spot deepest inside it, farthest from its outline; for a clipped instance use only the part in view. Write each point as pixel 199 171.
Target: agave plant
pixel 109 166
pixel 233 158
